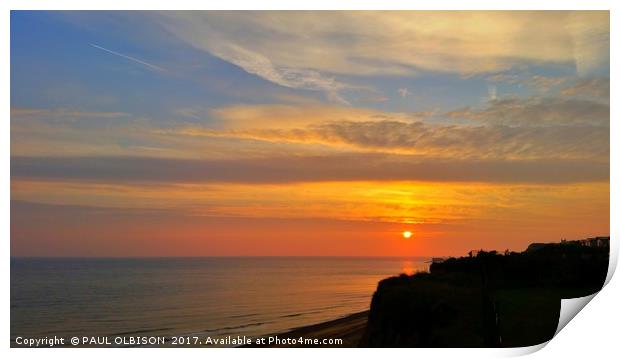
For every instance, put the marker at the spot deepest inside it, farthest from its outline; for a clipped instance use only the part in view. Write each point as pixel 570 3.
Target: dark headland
pixel 485 299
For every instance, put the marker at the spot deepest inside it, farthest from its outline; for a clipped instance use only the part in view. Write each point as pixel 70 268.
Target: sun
pixel 407 234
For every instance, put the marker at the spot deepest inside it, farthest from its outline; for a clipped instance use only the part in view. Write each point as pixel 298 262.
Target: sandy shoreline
pixel 349 329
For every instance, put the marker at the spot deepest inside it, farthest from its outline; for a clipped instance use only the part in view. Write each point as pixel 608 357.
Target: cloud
pixel 54 132
pixel 590 88
pixel 67 132
pixel 544 83
pixel 538 112
pixel 511 128
pixel 282 116
pixel 539 83
pixel 258 63
pixel 255 63
pixel 451 141
pixel 288 47
pixel 589 40
pixel 405 202
pixel 289 169
pixel 597 88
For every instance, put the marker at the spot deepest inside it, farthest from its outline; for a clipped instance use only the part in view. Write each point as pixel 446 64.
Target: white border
pixel 593 330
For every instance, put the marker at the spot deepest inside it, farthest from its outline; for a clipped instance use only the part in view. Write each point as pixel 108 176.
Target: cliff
pixel 486 300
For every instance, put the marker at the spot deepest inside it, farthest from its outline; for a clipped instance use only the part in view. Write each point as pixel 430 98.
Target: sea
pixel 203 296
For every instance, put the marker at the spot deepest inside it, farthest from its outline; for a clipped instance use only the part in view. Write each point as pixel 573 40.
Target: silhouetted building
pixel 599 241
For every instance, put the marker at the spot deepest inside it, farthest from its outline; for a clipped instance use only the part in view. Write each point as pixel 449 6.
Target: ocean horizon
pixel 199 296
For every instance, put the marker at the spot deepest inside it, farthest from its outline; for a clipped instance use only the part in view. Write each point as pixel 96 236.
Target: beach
pixel 348 329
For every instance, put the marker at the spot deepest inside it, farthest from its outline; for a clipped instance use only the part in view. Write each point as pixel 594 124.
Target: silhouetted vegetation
pixel 485 300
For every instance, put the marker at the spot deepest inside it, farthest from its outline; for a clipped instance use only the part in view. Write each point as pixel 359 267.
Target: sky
pixel 212 133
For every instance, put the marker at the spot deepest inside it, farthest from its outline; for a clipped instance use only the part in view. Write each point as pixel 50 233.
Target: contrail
pixel 153 67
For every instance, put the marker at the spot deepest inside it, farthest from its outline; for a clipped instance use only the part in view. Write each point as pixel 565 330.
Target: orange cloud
pixel 352 218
